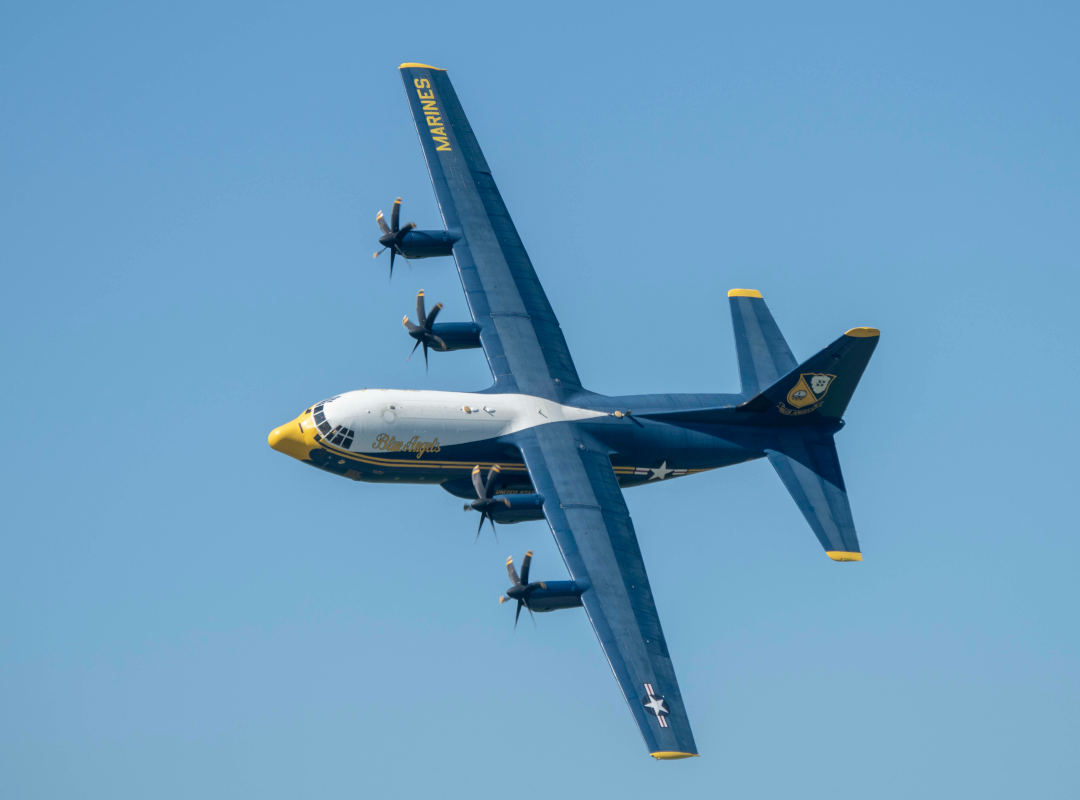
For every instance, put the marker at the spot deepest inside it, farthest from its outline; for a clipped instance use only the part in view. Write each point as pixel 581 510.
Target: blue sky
pixel 188 205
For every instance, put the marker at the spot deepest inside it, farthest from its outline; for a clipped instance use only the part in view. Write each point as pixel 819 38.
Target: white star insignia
pixel 659 473
pixel 656 705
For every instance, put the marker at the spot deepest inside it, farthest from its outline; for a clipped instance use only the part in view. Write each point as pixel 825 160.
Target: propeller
pixel 392 234
pixel 421 331
pixel 521 588
pixel 485 502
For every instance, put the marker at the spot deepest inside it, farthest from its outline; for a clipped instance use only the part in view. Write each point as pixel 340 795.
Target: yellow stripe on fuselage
pixel 419 463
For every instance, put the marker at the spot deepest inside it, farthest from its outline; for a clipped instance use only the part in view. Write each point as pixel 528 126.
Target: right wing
pixel 585 509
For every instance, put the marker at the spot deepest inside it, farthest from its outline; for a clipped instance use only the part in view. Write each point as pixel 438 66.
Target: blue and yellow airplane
pixel 538 445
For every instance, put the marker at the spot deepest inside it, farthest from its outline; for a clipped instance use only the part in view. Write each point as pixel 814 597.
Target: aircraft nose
pixel 291 440
pixel 277 438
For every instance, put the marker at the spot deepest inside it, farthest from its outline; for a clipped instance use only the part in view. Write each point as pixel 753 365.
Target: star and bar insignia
pixel 655 703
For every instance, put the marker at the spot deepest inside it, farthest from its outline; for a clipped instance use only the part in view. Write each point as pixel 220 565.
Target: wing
pixel 524 345
pixel 585 509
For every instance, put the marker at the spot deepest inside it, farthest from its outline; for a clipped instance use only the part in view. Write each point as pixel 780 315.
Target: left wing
pixel 524 345
pixel 584 507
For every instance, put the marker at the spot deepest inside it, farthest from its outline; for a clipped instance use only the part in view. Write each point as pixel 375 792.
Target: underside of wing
pixel 585 509
pixel 520 335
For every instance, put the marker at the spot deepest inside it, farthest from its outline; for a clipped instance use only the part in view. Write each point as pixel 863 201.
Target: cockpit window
pixel 320 419
pixel 336 435
pixel 341 437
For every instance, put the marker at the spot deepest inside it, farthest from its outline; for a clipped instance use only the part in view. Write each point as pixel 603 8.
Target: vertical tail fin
pixel 820 388
pixel 764 356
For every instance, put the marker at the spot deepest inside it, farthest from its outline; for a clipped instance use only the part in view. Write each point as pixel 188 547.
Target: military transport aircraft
pixel 538 445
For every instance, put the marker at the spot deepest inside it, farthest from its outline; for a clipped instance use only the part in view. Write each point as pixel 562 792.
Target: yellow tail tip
pixel 671 755
pixel 415 65
pixel 744 293
pixel 863 333
pixel 843 555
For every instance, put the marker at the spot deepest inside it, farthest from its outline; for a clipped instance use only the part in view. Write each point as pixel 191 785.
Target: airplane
pixel 538 445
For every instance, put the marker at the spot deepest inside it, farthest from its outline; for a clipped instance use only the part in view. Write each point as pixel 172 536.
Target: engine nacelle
pixel 426 244
pixel 456 335
pixel 553 595
pixel 517 508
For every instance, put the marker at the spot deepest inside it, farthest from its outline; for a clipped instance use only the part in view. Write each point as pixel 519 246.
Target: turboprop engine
pixel 540 596
pixel 501 508
pixel 407 241
pixel 441 337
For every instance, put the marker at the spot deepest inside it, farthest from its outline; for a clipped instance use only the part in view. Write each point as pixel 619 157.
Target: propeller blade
pixel 421 316
pixel 478 483
pixel 408 227
pixel 480 527
pixel 413 329
pixel 377 253
pixel 518 614
pixel 382 223
pixel 525 564
pixel 393 252
pixel 514 579
pixel 493 474
pixel 411 352
pixel 426 366
pixel 427 323
pixel 395 214
pixel 436 342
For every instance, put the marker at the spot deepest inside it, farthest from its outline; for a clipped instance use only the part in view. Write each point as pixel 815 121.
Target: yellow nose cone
pixel 276 438
pixel 296 438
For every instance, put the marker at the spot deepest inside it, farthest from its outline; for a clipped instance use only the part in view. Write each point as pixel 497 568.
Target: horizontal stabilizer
pixel 764 355
pixel 810 470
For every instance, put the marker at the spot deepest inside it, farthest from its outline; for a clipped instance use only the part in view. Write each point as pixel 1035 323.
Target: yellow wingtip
pixel 863 333
pixel 843 555
pixel 744 293
pixel 671 755
pixel 415 65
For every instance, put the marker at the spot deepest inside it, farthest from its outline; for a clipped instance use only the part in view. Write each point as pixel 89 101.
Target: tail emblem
pixel 810 390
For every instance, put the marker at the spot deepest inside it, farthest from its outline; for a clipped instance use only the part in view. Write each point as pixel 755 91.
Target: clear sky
pixel 188 202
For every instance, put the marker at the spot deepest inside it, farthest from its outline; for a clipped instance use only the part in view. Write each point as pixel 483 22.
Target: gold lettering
pixel 429 107
pixel 392 444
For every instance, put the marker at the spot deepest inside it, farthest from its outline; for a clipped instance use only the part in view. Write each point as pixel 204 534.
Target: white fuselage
pixel 381 418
